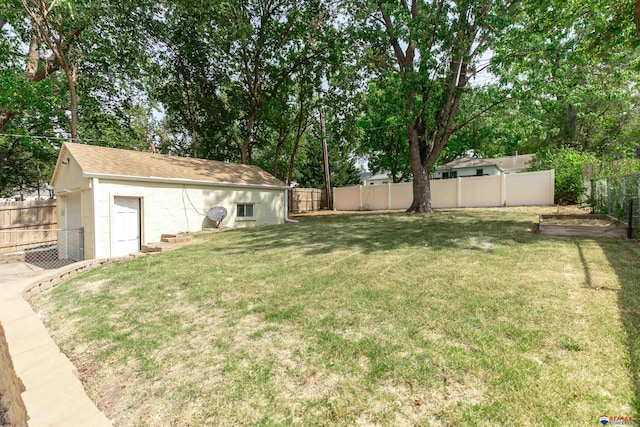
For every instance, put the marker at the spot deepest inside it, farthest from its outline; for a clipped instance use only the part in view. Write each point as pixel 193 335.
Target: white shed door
pixel 126 226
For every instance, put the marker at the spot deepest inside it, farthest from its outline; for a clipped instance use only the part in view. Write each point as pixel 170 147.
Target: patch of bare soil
pixel 325 212
pixel 557 209
pixel 586 221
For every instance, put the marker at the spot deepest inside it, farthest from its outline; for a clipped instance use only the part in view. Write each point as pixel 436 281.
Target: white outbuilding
pixel 125 199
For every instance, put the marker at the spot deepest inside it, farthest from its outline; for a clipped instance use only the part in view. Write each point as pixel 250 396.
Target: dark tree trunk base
pixel 419 209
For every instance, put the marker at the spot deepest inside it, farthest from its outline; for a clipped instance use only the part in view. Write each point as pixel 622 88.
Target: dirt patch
pixel 587 221
pixel 586 226
pixel 94 287
pixel 326 212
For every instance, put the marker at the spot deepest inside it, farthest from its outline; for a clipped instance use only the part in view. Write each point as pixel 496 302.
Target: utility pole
pixel 325 158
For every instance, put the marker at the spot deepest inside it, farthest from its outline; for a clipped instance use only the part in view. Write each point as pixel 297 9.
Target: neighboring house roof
pixel 380 175
pixel 99 161
pixel 518 162
pixel 365 175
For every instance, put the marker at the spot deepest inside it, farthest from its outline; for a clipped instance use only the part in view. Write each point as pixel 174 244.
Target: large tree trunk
pixel 245 148
pixel 281 137
pixel 421 185
pixel 31 74
pixel 302 127
pixel 70 72
pixel 5 119
pixel 636 15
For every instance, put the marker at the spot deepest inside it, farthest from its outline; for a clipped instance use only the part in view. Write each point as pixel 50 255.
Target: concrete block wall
pixel 25 399
pixel 11 389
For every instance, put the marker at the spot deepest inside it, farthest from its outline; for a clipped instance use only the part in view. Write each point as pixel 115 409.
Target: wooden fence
pixel 26 225
pixel 306 200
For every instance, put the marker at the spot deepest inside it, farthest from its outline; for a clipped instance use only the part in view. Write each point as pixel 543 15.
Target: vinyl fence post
pixel 629 227
pixel 388 196
pixel 334 198
pixel 609 208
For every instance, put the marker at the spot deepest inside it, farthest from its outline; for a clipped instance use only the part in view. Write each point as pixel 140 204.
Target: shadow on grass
pixel 624 258
pixel 370 233
pixel 585 265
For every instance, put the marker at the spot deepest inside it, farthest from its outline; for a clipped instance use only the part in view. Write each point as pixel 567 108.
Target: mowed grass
pixel 461 317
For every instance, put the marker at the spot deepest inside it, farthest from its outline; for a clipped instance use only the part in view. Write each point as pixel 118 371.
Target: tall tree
pixel 384 143
pixel 55 24
pixel 229 73
pixel 24 73
pixel 575 60
pixel 435 46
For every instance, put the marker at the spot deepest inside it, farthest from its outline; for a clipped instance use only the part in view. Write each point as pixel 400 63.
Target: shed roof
pixel 96 160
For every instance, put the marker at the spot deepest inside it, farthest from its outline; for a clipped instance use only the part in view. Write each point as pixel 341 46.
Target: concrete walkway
pixel 54 396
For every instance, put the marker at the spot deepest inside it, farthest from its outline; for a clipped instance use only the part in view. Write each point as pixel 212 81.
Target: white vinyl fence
pixel 516 189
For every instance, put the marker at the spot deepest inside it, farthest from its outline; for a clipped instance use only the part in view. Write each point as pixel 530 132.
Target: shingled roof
pixel 95 160
pixel 518 162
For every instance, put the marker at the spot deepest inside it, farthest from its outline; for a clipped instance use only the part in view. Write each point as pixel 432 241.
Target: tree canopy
pixel 243 80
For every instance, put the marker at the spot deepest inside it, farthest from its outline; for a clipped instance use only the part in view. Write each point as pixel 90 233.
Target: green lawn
pixel 462 317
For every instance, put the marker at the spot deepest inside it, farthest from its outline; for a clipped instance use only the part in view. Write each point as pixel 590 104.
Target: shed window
pixel 479 172
pixel 245 210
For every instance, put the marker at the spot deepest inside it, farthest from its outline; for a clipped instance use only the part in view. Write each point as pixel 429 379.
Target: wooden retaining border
pixel 586 231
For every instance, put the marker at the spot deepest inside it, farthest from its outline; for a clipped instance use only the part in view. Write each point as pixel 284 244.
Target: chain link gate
pixel 47 249
pixel 619 197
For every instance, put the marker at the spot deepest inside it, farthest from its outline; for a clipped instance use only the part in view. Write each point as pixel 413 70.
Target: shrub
pixel 568 165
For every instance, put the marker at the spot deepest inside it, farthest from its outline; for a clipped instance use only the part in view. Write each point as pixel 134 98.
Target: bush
pixel 568 165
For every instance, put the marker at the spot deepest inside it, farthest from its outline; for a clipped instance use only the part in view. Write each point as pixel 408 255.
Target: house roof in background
pixel 518 162
pixel 95 160
pixel 365 175
pixel 379 175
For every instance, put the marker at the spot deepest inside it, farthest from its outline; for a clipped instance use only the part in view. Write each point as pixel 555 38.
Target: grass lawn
pixel 462 317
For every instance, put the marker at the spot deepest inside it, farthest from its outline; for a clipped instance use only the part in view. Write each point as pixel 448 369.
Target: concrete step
pixel 175 235
pixel 167 242
pixel 150 248
pixel 179 239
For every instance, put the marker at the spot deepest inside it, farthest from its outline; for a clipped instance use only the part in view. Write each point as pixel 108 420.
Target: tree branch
pixel 478 114
pixel 636 14
pixel 402 59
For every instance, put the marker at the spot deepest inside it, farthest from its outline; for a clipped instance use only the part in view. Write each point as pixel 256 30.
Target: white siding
pixel 465 172
pixel 174 208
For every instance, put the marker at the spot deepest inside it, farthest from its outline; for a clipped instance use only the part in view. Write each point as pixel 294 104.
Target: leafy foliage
pixel 568 164
pixel 243 81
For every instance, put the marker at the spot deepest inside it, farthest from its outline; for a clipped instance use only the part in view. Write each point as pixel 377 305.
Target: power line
pixel 12 135
pixel 62 138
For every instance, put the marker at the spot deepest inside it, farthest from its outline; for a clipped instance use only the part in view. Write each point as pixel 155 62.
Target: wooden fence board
pixel 306 200
pixel 25 225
